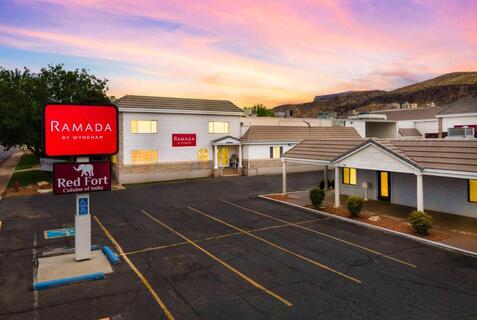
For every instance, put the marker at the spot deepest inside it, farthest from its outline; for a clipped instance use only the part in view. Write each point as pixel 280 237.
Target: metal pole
pixel 82 223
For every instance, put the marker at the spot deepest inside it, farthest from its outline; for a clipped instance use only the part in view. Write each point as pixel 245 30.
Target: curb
pixel 112 257
pixel 370 226
pixel 65 281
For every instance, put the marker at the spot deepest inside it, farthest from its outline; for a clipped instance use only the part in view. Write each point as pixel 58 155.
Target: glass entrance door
pixel 384 186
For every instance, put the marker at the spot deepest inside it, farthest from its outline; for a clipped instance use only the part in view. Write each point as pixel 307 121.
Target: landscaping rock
pixel 42 183
pixel 375 218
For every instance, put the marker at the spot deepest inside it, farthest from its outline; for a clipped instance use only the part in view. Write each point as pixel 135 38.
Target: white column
pixel 325 178
pixel 82 223
pixel 216 157
pixel 240 156
pixel 337 187
pixel 284 177
pixel 420 192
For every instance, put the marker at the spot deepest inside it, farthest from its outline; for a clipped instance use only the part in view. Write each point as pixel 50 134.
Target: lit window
pixel 218 127
pixel 143 156
pixel 349 176
pixel 203 154
pixel 143 126
pixel 473 191
pixel 276 152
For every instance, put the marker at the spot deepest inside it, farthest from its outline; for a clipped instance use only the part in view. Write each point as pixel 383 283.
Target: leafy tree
pixel 24 93
pixel 261 111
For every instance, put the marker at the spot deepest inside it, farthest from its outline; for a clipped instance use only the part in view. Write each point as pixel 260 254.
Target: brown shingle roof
pixel 464 105
pixel 442 154
pixel 324 150
pixel 409 114
pixel 409 132
pixel 296 133
pixel 184 104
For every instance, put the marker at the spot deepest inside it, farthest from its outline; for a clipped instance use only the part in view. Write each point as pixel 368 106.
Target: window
pixel 218 127
pixel 143 126
pixel 143 156
pixel 349 176
pixel 276 152
pixel 203 154
pixel 473 191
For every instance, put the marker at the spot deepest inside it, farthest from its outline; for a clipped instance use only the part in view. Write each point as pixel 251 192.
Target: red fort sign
pixel 75 130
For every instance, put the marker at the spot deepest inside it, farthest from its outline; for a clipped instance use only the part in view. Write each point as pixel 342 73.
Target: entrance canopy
pixel 226 141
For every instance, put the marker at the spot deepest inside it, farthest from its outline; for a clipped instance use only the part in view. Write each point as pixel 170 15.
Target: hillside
pixel 441 90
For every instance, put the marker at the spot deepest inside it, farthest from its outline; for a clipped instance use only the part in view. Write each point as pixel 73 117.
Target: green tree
pixel 261 111
pixel 24 93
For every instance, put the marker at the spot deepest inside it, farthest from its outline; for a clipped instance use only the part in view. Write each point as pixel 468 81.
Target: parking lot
pixel 211 249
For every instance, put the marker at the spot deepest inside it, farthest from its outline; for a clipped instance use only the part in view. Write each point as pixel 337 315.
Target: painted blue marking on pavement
pixel 60 233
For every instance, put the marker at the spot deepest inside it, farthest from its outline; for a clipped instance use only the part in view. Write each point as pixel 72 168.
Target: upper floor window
pixel 349 176
pixel 473 191
pixel 143 126
pixel 218 127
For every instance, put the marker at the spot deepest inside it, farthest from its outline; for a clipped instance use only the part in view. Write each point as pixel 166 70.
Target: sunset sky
pixel 269 52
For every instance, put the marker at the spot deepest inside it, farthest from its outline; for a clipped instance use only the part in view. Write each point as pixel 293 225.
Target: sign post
pixel 82 223
pixel 81 131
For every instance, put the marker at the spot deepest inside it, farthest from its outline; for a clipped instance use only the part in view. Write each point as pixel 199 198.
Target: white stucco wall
pixel 450 122
pixel 262 151
pixel 359 125
pixel 427 126
pixel 167 124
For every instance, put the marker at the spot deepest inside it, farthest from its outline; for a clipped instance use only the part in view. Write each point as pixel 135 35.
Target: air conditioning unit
pixel 461 133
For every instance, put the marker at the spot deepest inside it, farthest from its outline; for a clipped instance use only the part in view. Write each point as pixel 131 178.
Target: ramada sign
pixel 75 130
pixel 184 140
pixel 80 177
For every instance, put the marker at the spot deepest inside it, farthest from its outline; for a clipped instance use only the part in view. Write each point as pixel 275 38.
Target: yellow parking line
pixel 323 234
pixel 221 236
pixel 223 263
pixel 314 262
pixel 136 270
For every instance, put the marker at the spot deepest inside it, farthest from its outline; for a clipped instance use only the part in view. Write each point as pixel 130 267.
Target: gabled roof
pixel 409 132
pixel 321 150
pixel 464 105
pixel 409 114
pixel 177 104
pixel 296 133
pixel 438 154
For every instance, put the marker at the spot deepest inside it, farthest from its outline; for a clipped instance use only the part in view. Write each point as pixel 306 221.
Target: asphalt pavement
pixel 210 249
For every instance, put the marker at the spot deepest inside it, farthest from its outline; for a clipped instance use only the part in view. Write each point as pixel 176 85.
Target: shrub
pixel 317 196
pixel 354 204
pixel 421 222
pixel 322 184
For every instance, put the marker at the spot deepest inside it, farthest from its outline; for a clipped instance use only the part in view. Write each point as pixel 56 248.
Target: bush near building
pixel 317 196
pixel 354 205
pixel 27 161
pixel 421 222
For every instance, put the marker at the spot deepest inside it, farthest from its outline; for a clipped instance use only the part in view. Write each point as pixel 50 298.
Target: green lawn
pixel 27 161
pixel 30 177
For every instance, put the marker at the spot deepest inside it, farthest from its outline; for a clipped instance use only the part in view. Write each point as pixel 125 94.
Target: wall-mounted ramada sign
pixel 80 177
pixel 75 130
pixel 184 140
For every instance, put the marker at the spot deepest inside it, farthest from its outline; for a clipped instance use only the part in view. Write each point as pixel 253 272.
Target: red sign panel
pixel 184 139
pixel 79 177
pixel 75 130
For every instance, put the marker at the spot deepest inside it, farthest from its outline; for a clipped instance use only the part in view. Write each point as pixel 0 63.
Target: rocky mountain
pixel 433 92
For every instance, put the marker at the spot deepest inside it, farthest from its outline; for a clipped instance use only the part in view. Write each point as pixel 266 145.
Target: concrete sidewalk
pixel 7 167
pixel 462 230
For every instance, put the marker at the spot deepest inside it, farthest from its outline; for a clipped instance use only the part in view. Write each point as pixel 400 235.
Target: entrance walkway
pixel 6 169
pixel 462 230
